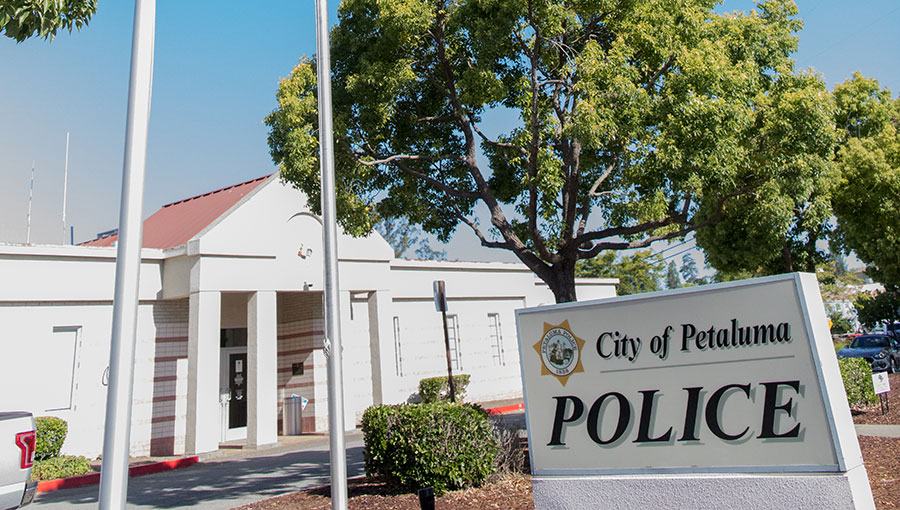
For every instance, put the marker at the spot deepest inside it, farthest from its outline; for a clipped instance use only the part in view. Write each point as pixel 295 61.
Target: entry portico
pixel 231 323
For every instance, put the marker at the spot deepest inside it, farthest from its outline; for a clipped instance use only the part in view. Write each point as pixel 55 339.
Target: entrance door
pixel 234 393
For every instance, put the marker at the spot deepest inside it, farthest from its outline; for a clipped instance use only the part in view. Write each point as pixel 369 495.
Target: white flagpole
pixel 117 437
pixel 28 218
pixel 333 348
pixel 65 188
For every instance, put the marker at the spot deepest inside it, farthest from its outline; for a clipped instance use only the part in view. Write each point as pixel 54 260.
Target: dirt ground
pixel 872 415
pixel 514 493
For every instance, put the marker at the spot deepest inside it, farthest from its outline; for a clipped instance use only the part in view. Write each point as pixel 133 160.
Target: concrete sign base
pixel 714 492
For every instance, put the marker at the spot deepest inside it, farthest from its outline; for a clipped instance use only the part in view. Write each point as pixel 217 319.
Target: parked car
pixel 881 351
pixel 17 446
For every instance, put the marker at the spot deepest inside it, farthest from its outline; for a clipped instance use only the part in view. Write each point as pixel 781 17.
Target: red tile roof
pixel 177 223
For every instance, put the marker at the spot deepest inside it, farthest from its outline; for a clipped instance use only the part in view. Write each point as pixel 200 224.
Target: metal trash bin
pixel 293 415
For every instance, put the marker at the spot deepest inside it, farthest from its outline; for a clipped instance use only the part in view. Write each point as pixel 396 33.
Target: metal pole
pixel 65 187
pixel 30 195
pixel 449 365
pixel 333 347
pixel 116 437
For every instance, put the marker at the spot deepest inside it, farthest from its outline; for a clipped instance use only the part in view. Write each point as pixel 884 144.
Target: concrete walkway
pixel 878 430
pixel 233 479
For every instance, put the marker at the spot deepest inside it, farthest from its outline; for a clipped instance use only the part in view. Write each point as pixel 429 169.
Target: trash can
pixel 292 415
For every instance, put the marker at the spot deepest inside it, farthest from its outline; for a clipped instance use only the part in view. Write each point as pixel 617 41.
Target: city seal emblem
pixel 560 351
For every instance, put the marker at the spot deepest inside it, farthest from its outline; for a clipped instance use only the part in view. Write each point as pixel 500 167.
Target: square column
pixel 203 409
pixel 262 373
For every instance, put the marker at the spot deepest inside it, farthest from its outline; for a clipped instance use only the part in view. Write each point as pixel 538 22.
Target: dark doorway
pixel 237 385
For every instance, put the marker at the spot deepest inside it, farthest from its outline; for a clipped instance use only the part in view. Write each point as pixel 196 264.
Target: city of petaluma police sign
pixel 734 382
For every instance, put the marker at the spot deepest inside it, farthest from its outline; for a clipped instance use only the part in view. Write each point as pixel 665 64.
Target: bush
pixel 60 467
pixel 51 434
pixel 440 445
pixel 510 457
pixel 857 376
pixel 434 388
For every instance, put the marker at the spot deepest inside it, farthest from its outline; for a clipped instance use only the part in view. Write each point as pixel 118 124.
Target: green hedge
pixel 434 388
pixel 857 376
pixel 440 445
pixel 51 434
pixel 60 467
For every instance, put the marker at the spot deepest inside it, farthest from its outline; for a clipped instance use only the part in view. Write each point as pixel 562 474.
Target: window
pixel 60 358
pixel 453 336
pixel 398 358
pixel 496 339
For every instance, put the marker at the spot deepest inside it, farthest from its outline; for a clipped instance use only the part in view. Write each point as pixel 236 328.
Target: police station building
pixel 231 322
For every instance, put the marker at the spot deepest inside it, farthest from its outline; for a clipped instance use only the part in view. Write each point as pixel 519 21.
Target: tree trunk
pixel 562 282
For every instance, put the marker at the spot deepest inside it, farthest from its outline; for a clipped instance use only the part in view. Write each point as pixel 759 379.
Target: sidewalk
pixel 878 430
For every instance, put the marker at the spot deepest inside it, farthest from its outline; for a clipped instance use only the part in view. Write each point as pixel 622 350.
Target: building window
pixel 60 358
pixel 496 339
pixel 398 358
pixel 453 335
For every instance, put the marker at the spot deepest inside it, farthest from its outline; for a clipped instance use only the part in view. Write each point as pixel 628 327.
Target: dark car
pixel 882 351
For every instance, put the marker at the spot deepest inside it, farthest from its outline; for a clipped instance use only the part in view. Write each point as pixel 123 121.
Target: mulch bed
pixel 872 415
pixel 881 455
pixel 882 458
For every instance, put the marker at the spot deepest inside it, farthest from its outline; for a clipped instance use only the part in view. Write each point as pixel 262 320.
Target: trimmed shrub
pixel 440 445
pixel 51 434
pixel 857 376
pixel 433 389
pixel 60 467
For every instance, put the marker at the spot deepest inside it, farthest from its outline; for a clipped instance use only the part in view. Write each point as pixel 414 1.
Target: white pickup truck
pixel 17 445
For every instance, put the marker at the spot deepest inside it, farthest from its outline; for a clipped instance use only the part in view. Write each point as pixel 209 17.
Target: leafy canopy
pixel 639 272
pixel 21 19
pixel 867 198
pixel 637 121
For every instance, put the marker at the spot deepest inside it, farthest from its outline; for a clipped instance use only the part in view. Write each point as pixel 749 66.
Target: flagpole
pixel 65 188
pixel 333 348
pixel 117 432
pixel 28 217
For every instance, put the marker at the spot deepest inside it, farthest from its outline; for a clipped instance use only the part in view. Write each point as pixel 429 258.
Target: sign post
pixel 440 304
pixel 882 386
pixel 721 396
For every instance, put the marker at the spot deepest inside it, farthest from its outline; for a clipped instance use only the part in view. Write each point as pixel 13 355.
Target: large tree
pixel 21 19
pixel 639 272
pixel 867 199
pixel 636 121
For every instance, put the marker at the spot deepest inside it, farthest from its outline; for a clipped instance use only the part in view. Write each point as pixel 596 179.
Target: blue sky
pixel 217 67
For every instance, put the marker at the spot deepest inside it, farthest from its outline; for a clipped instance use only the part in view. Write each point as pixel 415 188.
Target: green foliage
pixel 51 434
pixel 839 324
pixel 878 309
pixel 673 280
pixel 857 376
pixel 640 272
pixel 21 19
pixel 440 445
pixel 631 122
pixel 60 467
pixel 402 236
pixel 867 198
pixel 432 389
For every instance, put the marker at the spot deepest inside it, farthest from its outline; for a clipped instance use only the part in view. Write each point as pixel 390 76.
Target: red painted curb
pixel 506 409
pixel 93 478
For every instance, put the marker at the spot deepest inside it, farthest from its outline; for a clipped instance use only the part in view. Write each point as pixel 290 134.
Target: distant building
pixel 231 322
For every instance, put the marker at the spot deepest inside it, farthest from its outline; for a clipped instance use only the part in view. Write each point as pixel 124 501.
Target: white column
pixel 203 408
pixel 262 374
pixel 381 346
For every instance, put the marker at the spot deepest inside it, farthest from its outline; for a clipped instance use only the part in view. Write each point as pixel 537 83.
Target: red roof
pixel 177 223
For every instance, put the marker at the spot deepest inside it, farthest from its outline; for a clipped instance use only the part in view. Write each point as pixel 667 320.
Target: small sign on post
pixel 440 304
pixel 882 386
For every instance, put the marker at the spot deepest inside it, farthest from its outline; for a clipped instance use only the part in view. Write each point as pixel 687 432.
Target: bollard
pixel 426 498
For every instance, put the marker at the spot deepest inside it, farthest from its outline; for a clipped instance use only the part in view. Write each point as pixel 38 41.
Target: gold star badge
pixel 560 351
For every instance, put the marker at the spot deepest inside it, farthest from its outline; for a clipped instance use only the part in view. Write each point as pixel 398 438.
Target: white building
pixel 230 322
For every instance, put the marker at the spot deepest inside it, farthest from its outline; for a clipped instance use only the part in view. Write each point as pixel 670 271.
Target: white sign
pixel 881 382
pixel 720 379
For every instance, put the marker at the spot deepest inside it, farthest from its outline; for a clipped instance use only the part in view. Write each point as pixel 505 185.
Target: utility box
pixel 293 415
